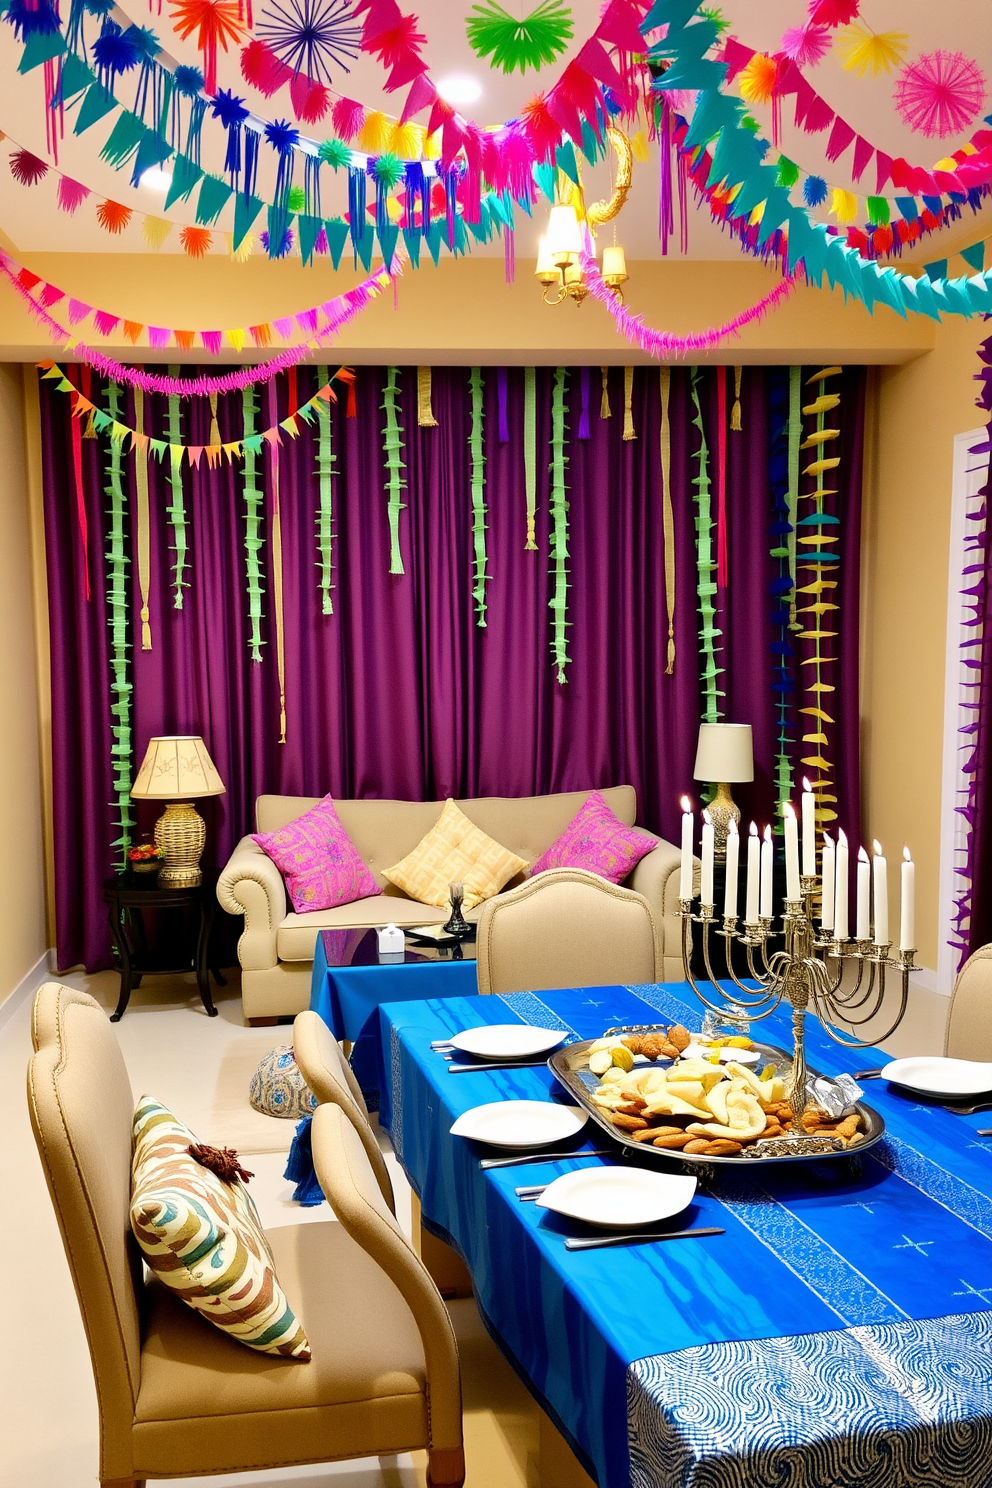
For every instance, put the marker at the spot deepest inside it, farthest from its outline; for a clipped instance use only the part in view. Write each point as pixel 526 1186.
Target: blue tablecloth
pixel 839 1332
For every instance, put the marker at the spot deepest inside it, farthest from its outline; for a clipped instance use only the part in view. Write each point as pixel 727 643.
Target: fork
pixel 970 1110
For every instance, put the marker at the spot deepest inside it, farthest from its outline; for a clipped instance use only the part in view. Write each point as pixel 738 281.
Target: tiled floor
pixel 48 1436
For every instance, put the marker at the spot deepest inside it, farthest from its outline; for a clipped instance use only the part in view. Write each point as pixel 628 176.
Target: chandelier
pixel 559 270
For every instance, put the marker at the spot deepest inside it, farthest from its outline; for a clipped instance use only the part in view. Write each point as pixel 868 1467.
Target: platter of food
pixel 666 1093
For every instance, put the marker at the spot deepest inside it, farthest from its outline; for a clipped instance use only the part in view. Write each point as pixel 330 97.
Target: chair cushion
pixel 455 850
pixel 318 860
pixel 596 839
pixel 202 1237
pixel 204 1405
pixel 278 1089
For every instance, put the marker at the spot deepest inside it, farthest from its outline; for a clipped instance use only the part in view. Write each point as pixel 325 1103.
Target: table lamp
pixel 723 755
pixel 178 769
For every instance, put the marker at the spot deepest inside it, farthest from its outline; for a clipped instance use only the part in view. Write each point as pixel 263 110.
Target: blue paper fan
pixel 310 36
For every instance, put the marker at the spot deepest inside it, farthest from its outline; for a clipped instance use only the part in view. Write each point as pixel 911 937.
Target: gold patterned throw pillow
pixel 202 1237
pixel 455 850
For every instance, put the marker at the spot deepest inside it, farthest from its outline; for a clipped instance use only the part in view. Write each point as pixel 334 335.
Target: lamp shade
pixel 724 752
pixel 176 768
pixel 564 240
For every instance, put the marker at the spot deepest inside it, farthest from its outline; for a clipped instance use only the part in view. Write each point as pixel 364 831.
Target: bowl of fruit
pixel 145 858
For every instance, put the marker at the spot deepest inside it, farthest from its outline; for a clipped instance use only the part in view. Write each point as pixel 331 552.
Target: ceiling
pixel 30 221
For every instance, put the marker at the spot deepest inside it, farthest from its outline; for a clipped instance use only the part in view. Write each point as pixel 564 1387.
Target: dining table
pixel 837 1332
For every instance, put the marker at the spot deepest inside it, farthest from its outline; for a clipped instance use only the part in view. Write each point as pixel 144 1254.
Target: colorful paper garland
pixel 477 480
pixel 117 620
pixel 706 587
pixel 558 603
pixel 325 494
pixel 392 444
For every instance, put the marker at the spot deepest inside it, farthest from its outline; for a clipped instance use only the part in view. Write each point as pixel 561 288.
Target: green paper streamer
pixel 395 484
pixel 176 511
pixel 559 524
pixel 253 523
pixel 787 173
pixel 478 496
pixel 325 510
pixel 823 567
pixel 530 453
pixel 117 607
pixel 705 566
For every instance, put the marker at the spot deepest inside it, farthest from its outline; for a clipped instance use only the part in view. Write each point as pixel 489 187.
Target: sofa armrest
pixel 251 885
pixel 657 878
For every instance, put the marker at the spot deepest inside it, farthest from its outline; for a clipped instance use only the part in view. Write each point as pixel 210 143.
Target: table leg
pixel 444 1266
pixel 558 1465
pixel 202 955
pixel 119 939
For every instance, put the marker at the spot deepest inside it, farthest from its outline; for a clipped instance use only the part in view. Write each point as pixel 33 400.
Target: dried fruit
pixel 622 1058
pixel 679 1036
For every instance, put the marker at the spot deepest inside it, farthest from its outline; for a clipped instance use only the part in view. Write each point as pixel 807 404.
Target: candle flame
pixel 788 810
pixel 841 837
pixel 877 847
pixel 862 855
pixel 907 855
pixel 768 834
pixel 686 804
pixel 806 785
pixel 754 829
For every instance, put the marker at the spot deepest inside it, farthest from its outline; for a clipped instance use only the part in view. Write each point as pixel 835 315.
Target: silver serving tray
pixel 568 1065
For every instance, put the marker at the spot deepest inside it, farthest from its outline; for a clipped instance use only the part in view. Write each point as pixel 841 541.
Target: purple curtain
pixel 400 693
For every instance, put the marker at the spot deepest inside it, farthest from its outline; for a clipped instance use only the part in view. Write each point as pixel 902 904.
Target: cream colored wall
pixel 921 407
pixel 22 863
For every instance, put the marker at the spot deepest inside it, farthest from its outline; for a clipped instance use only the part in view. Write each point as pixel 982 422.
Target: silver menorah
pixel 799 974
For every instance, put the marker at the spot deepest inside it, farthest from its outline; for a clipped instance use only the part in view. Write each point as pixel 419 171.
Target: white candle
pixel 753 875
pixel 706 887
pixel 730 883
pixel 907 904
pixel 685 874
pixel 765 909
pixel 862 928
pixel 809 831
pixel 792 890
pixel 827 904
pixel 880 871
pixel 840 894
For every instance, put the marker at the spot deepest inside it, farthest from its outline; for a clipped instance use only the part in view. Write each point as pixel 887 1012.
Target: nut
pixel 652 1046
pixel 633 1042
pixel 669 1051
pixel 629 1123
pixel 724 1148
pixel 698 1144
pixel 679 1036
pixel 682 1140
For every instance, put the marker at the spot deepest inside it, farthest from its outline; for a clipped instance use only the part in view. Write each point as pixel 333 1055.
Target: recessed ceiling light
pixel 459 88
pixel 156 179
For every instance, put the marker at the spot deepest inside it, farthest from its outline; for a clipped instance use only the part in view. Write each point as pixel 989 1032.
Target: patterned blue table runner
pixel 732 1360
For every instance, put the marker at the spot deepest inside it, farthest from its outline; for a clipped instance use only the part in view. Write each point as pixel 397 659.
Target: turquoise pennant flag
pixel 337 235
pixel 96 103
pixel 213 198
pixel 565 161
pixel 413 237
pixel 185 174
pixel 544 175
pixel 41 48
pixel 246 209
pixel 937 269
pixel 974 256
pixel 309 229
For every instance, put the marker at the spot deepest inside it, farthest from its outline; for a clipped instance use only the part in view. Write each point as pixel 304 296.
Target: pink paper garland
pixel 665 343
pixel 341 311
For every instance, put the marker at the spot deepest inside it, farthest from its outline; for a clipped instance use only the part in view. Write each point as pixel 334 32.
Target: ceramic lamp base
pixel 180 832
pixel 723 809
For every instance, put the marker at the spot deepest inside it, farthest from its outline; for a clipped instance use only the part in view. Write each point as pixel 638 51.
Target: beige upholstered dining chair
pixel 969 1019
pixel 329 1076
pixel 177 1397
pixel 567 928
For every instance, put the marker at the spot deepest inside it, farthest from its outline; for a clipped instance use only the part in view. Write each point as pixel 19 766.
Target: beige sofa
pixel 277 946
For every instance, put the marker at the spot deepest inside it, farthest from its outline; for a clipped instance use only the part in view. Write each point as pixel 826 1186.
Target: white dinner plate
pixel 520 1123
pixel 738 1056
pixel 507 1040
pixel 932 1075
pixel 618 1197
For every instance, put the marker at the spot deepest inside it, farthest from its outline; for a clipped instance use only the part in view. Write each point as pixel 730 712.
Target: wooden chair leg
pixel 446 1468
pixel 262 1022
pixel 122 1483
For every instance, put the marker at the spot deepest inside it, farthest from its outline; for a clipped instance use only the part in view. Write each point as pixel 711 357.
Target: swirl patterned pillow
pixel 202 1238
pixel 320 863
pixel 596 839
pixel 278 1089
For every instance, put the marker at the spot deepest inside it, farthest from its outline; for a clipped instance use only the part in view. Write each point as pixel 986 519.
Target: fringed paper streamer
pixel 141 516
pixel 629 432
pixel 722 563
pixel 782 588
pixel 819 532
pixel 667 513
pixel 478 479
pixel 705 566
pixel 395 484
pixel 117 608
pixel 558 602
pixel 604 394
pixel 325 510
pixel 795 439
pixel 77 474
pixel 425 412
pixel 275 527
pixel 253 522
pixel 177 508
pixel 530 454
pixel 735 412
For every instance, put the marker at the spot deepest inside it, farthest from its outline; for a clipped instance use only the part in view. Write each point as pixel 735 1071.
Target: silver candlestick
pixel 798 974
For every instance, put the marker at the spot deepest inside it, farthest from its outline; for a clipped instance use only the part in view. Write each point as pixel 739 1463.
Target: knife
pixel 867 1075
pixel 463 1069
pixel 541 1157
pixel 639 1237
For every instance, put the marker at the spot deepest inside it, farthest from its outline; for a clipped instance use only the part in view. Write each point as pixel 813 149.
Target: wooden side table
pixel 128 896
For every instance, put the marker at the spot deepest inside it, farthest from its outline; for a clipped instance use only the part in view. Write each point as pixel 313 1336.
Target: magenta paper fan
pixel 940 93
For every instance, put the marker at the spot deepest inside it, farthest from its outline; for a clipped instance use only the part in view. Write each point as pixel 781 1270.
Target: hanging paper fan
pixel 758 78
pixel 940 93
pixel 533 41
pixel 862 50
pixel 216 22
pixel 806 45
pixel 309 36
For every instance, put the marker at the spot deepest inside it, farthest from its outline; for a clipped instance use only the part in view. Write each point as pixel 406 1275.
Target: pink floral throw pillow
pixel 318 860
pixel 597 839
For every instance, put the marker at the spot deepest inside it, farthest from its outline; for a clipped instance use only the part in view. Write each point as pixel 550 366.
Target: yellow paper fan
pixel 864 51
pixel 432 145
pixel 844 205
pixel 407 141
pixel 376 132
pixel 155 230
pixel 245 249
